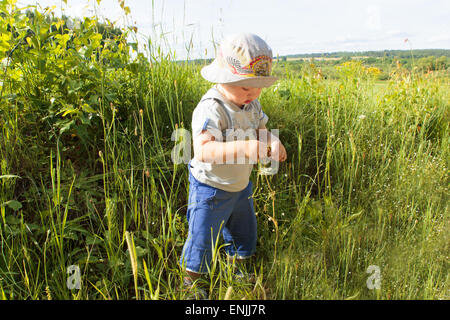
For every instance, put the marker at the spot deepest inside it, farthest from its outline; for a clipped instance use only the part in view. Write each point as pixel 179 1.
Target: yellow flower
pixel 374 71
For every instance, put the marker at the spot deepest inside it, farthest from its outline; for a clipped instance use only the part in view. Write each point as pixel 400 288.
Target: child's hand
pixel 277 151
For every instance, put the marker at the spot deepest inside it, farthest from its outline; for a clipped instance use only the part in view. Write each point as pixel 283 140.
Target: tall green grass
pixel 377 164
pixel 87 179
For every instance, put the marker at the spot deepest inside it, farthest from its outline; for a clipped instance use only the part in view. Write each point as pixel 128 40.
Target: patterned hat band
pixel 259 66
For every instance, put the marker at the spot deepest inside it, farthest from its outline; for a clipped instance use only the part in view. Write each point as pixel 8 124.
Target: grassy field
pixel 87 183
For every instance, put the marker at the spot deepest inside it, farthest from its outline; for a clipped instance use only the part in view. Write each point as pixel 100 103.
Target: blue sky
pixel 289 26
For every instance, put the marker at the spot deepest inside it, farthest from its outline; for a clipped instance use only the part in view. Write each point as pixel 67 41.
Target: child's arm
pixel 206 149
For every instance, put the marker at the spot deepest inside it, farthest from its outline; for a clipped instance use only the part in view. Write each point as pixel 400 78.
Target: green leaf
pixel 66 127
pixel 140 251
pixel 9 176
pixel 69 110
pixel 13 204
pixel 91 240
pixel 87 108
pixel 12 220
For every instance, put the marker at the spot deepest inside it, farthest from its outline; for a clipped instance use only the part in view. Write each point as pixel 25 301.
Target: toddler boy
pixel 226 125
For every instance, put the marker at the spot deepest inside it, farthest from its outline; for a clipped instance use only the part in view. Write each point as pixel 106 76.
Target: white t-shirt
pixel 227 122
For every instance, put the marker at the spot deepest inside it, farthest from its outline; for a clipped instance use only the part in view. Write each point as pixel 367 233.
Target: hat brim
pixel 214 73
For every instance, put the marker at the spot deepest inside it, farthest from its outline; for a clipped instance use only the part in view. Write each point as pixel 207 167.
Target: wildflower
pixel 374 71
pixel 275 88
pixel 362 117
pixel 48 292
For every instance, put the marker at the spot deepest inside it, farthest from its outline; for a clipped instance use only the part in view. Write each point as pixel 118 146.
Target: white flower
pixel 276 87
pixel 363 116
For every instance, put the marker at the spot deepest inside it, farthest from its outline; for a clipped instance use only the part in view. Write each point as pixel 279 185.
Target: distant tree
pixel 431 63
pixel 345 59
pixel 442 63
pixel 370 60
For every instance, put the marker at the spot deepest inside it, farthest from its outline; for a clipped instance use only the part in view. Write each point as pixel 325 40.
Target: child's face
pixel 239 95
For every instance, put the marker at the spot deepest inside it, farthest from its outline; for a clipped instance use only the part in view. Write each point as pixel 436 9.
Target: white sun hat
pixel 242 59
